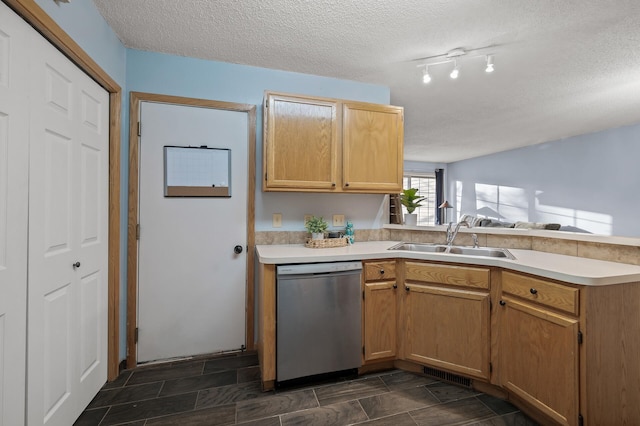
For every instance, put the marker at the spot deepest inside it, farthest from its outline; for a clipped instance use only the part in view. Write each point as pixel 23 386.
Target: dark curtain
pixel 439 194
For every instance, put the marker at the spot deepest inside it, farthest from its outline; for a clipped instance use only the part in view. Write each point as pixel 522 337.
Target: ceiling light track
pixel 454 56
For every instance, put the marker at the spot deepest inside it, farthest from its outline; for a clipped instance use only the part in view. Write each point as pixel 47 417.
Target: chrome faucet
pixel 451 236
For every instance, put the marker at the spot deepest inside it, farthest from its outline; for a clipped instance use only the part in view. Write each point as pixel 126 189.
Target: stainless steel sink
pixel 481 251
pixel 421 247
pixel 466 251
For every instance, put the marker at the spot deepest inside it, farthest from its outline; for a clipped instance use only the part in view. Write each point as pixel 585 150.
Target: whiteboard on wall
pixel 197 171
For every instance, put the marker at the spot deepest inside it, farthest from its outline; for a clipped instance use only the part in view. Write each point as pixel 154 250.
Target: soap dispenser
pixel 350 233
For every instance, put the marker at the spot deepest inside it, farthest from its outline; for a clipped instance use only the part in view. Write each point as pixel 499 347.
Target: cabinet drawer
pixel 375 271
pixel 558 296
pixel 446 274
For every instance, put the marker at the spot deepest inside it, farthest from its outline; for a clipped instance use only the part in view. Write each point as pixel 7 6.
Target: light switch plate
pixel 338 220
pixel 277 220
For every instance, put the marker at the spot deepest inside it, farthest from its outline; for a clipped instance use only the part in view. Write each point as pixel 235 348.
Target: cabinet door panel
pixel 448 328
pixel 380 315
pixel 301 143
pixel 539 359
pixel 372 147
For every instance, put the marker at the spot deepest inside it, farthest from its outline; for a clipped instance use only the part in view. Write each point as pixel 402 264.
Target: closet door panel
pixel 53 204
pixel 14 166
pixel 92 240
pixel 68 198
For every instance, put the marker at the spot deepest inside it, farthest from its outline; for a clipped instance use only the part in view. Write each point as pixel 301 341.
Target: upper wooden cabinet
pixel 300 143
pixel 372 147
pixel 331 145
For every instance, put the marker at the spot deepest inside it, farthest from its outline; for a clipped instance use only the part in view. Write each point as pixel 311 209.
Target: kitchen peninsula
pixel 557 335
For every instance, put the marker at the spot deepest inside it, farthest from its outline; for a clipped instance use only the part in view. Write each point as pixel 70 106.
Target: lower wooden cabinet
pixel 380 316
pixel 379 311
pixel 448 329
pixel 539 358
pixel 447 326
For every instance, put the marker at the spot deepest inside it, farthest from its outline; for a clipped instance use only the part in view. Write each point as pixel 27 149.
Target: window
pixel 426 185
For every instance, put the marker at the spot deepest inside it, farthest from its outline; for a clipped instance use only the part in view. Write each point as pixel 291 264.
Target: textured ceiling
pixel 562 67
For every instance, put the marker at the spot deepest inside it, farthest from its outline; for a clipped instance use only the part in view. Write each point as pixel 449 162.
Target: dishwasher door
pixel 319 314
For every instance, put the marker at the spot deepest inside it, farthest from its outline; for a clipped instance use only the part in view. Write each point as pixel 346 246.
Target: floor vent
pixel 447 377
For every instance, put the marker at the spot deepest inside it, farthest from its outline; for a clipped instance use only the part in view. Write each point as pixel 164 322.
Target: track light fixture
pixel 455 56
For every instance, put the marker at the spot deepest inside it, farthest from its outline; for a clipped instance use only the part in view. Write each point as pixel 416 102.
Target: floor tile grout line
pixel 363 410
pixel 104 415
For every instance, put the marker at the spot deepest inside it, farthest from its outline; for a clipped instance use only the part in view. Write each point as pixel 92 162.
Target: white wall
pixel 589 182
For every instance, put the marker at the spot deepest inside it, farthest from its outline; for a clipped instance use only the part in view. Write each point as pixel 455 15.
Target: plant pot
pixel 411 219
pixel 317 235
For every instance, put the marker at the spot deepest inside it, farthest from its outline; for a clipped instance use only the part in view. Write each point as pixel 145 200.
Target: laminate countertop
pixel 571 269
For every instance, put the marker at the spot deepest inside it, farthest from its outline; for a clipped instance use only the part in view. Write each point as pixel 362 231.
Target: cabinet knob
pixel 381 271
pixel 76 265
pixel 237 249
pixel 502 303
pixel 346 184
pixel 407 288
pixel 333 184
pixel 533 291
pixel 395 286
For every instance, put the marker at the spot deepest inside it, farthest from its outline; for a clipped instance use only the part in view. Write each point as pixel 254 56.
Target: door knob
pixel 76 265
pixel 237 249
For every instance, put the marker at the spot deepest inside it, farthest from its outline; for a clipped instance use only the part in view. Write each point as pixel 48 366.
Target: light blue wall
pixel 181 76
pixel 82 21
pixel 590 182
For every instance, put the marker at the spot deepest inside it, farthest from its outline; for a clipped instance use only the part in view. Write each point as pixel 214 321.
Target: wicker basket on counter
pixel 327 242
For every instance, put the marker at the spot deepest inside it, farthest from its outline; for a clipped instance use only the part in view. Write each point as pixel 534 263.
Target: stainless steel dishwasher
pixel 318 319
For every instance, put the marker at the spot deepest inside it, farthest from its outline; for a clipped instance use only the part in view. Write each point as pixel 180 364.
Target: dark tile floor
pixel 225 390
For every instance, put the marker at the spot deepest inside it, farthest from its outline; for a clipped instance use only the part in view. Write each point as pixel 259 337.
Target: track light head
pixel 489 64
pixel 455 72
pixel 426 78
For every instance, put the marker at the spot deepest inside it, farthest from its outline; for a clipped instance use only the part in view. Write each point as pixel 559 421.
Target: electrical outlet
pixel 338 220
pixel 277 220
pixel 307 217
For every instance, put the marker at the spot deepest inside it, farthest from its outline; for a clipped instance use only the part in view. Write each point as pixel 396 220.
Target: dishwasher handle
pixel 319 268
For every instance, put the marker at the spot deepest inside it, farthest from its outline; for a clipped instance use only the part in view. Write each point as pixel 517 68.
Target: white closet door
pixel 14 160
pixel 68 209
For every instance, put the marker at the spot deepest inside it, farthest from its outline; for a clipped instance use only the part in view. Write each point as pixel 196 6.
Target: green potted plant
pixel 316 225
pixel 410 199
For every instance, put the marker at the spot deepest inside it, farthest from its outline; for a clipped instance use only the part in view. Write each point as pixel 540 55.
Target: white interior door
pixel 68 226
pixel 14 178
pixel 191 284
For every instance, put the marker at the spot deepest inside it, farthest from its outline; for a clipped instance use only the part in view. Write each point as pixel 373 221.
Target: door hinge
pixel 363 350
pixel 362 294
pixel 139 129
pixel 579 337
pixel 137 231
pixel 265 177
pixel 490 305
pixel 580 420
pixel 136 335
pixel 490 367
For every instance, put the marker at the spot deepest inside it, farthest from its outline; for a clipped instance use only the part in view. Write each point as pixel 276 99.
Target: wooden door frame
pixel 132 242
pixel 35 16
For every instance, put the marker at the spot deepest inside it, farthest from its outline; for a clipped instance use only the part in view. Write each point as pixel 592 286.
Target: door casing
pixel 132 241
